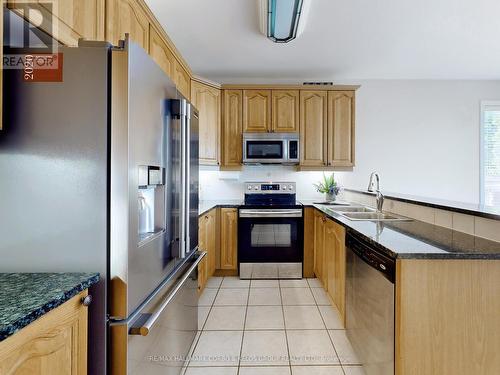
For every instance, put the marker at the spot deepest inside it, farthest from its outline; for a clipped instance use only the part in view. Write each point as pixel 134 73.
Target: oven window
pixel 264 149
pixel 271 235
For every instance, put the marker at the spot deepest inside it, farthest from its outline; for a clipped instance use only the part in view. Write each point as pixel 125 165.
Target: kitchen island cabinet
pixel 43 329
pixel 447 291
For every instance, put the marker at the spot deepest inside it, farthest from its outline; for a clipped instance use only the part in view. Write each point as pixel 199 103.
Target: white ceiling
pixel 343 40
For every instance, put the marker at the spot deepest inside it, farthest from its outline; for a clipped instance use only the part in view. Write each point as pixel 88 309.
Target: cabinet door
pixel 341 128
pixel 74 18
pixel 339 266
pixel 318 245
pixel 55 344
pixel 182 80
pixel 285 111
pixel 256 110
pixel 211 240
pixel 232 138
pixel 127 16
pixel 160 52
pixel 207 100
pixel 229 235
pixel 313 127
pixel 202 274
pixel 329 249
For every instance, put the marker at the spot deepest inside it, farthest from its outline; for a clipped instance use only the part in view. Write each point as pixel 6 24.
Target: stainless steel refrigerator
pixel 99 172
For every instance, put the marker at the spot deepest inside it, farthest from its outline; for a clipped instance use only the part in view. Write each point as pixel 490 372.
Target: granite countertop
pixel 490 212
pixel 416 239
pixel 24 297
pixel 206 205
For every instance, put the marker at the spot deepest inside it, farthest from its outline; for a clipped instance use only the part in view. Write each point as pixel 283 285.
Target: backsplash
pixel 216 184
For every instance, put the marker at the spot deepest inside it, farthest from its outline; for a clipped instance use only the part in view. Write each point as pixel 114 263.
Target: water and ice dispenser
pixel 151 202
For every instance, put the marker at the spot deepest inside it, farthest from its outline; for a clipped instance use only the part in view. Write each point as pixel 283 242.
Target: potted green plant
pixel 329 187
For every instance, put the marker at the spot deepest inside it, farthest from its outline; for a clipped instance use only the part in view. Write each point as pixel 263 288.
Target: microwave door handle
pixel 285 150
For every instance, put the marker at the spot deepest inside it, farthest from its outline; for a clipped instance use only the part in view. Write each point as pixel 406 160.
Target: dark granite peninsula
pixel 417 240
pixel 24 297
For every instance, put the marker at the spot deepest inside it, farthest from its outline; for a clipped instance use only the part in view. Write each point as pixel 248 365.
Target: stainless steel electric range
pixel 270 232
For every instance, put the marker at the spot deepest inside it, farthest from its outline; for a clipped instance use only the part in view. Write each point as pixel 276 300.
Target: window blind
pixel 491 154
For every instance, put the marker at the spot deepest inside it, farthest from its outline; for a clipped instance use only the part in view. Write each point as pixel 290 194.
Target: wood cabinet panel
pixel 336 264
pixel 319 234
pixel 341 128
pixel 232 137
pixel 229 236
pixel 447 317
pixel 308 268
pixel 127 16
pixel 71 19
pixel 256 110
pixel 182 80
pixel 285 111
pixel 211 240
pixel 160 52
pixel 55 344
pixel 313 128
pixel 208 102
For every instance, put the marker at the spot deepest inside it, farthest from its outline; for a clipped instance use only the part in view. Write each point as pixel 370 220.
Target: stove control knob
pixel 256 188
pixel 249 187
pixel 284 187
pixel 290 187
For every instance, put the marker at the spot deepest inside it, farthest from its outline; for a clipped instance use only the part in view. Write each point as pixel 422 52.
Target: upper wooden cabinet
pixel 75 19
pixel 229 236
pixel 285 108
pixel 313 128
pixel 256 110
pixel 232 136
pixel 54 344
pixel 341 110
pixel 127 16
pixel 160 52
pixel 207 100
pixel 182 80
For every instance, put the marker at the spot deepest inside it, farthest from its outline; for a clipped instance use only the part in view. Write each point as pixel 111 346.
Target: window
pixel 490 153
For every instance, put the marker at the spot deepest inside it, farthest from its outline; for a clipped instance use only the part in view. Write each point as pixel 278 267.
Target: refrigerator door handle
pixel 150 322
pixel 183 219
pixel 187 181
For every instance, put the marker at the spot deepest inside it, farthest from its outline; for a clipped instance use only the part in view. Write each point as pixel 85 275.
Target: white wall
pixel 421 136
pixel 229 185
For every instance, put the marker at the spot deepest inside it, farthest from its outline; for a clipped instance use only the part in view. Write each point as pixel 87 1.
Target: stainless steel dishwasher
pixel 370 305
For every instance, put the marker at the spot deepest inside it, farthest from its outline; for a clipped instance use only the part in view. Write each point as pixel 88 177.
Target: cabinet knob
pixel 87 300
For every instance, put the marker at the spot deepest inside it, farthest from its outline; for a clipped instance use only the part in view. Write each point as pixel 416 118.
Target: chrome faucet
pixel 372 188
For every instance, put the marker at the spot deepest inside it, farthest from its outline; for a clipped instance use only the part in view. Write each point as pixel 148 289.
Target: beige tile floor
pixel 269 327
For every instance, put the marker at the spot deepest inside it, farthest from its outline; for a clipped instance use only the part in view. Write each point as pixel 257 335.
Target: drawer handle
pixel 151 321
pixel 87 300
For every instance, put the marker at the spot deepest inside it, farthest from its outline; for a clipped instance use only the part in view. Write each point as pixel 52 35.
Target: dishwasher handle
pixel 373 257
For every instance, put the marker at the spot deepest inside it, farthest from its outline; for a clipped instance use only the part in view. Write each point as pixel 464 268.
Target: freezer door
pixel 158 338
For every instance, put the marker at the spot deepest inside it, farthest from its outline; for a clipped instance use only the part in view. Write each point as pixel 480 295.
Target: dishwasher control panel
pixel 372 256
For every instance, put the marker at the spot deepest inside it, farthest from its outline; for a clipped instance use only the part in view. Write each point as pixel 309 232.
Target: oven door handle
pixel 249 213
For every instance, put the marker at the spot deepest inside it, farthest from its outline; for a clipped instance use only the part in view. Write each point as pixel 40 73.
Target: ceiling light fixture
pixel 283 20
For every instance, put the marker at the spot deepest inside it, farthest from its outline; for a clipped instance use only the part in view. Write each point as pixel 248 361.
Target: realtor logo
pixel 31 41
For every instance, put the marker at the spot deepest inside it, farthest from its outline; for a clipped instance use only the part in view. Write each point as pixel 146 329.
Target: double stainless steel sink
pixel 363 213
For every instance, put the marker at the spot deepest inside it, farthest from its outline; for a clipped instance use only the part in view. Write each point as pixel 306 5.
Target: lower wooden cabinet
pixel 55 344
pixel 334 248
pixel 229 238
pixel 319 262
pixel 207 241
pixel 330 258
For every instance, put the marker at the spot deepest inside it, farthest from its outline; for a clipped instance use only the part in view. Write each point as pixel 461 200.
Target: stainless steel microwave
pixel 270 148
